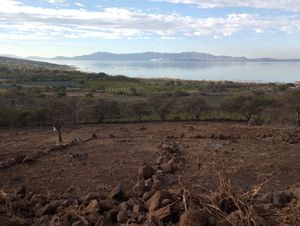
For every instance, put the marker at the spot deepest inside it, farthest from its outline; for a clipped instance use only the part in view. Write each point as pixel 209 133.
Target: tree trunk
pixel 59 136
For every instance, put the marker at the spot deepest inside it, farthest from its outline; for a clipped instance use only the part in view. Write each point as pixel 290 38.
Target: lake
pixel 233 71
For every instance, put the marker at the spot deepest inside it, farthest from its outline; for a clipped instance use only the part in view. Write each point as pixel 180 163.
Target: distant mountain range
pixel 156 57
pixel 173 57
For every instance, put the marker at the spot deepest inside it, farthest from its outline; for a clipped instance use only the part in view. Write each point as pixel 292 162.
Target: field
pixel 244 154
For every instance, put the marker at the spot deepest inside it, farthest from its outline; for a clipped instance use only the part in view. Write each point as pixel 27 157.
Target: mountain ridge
pixel 157 56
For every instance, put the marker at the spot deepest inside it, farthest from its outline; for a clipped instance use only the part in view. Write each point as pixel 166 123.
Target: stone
pixel 193 217
pixel 166 202
pixel 264 198
pixel 104 221
pixel 80 223
pixel 145 172
pixel 235 217
pixel 112 215
pixel 118 193
pixel 43 220
pixel 282 198
pixel 28 160
pixel 92 207
pixel 167 167
pixel 261 209
pixel 155 201
pixel 11 162
pixel 46 210
pixel 90 196
pixel 19 159
pixel 106 205
pixel 149 182
pixel 163 214
pixel 134 201
pixel 94 135
pixel 148 195
pixel 122 216
pixel 93 217
pixel 159 174
pixel 139 209
pixel 139 189
pixel 260 221
pixel 21 190
pixel 124 206
pixel 80 156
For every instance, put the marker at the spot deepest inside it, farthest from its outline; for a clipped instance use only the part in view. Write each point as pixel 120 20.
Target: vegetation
pixel 35 94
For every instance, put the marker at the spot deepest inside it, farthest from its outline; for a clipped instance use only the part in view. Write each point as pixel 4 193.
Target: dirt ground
pixel 247 155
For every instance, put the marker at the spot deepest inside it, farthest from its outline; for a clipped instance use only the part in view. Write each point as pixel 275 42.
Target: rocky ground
pixel 151 174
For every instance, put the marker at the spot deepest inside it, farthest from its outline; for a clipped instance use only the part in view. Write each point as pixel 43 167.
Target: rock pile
pixel 32 158
pixel 156 199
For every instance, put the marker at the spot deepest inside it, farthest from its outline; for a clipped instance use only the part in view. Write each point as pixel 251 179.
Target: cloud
pixel 287 5
pixel 55 1
pixel 20 21
pixel 79 4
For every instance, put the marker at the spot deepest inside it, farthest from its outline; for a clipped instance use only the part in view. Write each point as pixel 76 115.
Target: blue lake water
pixel 237 71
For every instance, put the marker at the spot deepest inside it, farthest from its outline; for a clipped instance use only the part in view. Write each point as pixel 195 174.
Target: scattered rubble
pixel 155 200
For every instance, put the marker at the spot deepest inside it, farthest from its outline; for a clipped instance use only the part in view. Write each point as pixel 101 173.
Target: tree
pixel 246 105
pixel 111 108
pixel 58 127
pixel 138 110
pixel 60 114
pixel 161 105
pixel 294 103
pixel 99 110
pixel 196 106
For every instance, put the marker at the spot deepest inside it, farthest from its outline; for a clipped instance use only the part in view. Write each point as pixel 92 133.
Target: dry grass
pixel 225 199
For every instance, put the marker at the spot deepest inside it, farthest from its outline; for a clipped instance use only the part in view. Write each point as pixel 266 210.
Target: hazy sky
pixel 251 28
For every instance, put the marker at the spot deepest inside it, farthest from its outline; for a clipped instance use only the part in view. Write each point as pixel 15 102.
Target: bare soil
pixel 247 155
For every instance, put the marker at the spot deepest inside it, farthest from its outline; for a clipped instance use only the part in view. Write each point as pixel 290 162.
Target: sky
pixel 251 28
